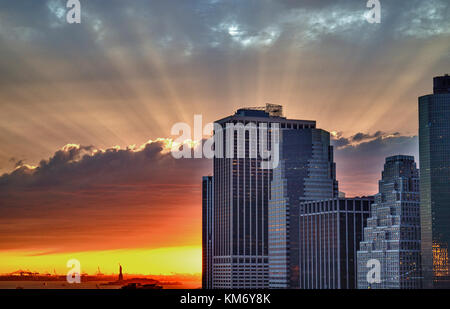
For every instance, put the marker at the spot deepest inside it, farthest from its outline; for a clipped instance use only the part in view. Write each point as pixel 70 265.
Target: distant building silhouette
pixel 207 231
pixel 434 149
pixel 120 273
pixel 392 234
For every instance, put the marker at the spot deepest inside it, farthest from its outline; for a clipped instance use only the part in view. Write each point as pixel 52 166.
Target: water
pixel 82 285
pixel 56 285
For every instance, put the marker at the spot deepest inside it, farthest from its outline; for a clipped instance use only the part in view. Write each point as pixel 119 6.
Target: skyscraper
pixel 392 235
pixel 241 198
pixel 434 150
pixel 329 233
pixel 207 230
pixel 306 171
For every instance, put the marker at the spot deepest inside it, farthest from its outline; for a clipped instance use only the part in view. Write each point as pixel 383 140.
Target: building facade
pixel 207 231
pixel 241 199
pixel 434 150
pixel 329 234
pixel 392 235
pixel 306 171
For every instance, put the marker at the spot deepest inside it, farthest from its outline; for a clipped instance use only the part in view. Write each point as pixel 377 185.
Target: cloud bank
pixel 83 198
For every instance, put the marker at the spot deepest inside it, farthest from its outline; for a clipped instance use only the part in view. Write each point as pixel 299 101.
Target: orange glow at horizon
pixel 161 261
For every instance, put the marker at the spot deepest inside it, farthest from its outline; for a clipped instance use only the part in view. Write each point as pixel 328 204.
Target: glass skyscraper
pixel 434 147
pixel 329 233
pixel 306 171
pixel 392 235
pixel 241 199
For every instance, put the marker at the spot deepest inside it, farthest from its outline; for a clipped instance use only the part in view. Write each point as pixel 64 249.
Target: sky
pixel 86 111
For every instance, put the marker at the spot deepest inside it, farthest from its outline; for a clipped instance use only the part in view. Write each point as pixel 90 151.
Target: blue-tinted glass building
pixel 434 150
pixel 392 234
pixel 306 172
pixel 329 232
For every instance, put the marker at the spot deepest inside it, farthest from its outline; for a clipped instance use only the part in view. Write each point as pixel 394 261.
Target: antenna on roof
pixel 274 110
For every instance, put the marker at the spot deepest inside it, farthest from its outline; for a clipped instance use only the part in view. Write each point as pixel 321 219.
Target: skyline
pixel 127 73
pixel 72 156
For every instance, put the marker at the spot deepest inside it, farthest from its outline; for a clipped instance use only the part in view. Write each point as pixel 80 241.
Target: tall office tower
pixel 306 171
pixel 329 235
pixel 392 235
pixel 207 230
pixel 241 198
pixel 434 151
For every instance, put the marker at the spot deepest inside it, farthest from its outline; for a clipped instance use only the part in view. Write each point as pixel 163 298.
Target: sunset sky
pixel 86 111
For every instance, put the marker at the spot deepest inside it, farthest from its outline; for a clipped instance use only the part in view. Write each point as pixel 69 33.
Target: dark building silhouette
pixel 329 235
pixel 434 149
pixel 207 231
pixel 120 273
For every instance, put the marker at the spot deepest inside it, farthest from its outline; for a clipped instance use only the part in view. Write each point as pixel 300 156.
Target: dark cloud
pixel 359 166
pixel 82 198
pixel 358 137
pixel 339 141
pixel 75 166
